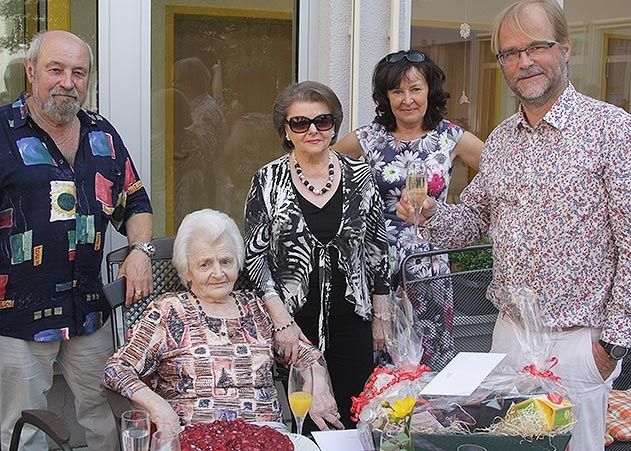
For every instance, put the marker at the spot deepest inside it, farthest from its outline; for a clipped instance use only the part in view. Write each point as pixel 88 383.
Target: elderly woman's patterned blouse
pixel 207 368
pixel 281 251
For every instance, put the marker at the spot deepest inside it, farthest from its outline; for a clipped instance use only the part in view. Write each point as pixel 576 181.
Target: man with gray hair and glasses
pixel 65 174
pixel 554 195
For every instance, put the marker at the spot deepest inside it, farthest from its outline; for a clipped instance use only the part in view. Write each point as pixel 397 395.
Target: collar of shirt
pixel 21 114
pixel 557 116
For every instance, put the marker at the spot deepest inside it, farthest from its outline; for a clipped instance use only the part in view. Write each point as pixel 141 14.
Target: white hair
pixel 215 225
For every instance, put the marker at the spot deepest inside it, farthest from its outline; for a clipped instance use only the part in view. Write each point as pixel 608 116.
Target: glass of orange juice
pixel 300 391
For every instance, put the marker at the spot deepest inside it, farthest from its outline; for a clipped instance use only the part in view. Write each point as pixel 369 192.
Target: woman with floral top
pixel 208 351
pixel 316 244
pixel 409 126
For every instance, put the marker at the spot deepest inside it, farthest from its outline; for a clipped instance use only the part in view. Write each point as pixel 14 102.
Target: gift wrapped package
pixel 514 408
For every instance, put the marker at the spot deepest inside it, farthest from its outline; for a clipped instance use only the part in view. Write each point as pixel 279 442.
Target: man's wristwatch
pixel 147 248
pixel 615 352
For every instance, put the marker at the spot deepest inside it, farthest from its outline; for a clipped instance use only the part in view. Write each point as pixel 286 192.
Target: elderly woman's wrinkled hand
pixel 324 410
pixel 286 343
pixel 405 211
pixel 162 414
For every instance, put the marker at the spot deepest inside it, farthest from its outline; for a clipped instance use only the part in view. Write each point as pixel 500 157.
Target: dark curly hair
pixel 388 74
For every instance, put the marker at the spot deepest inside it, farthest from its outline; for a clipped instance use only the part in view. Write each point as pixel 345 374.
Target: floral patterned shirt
pixel 389 157
pixel 555 200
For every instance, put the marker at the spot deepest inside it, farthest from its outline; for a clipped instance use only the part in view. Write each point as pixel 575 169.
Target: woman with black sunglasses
pixel 316 244
pixel 409 126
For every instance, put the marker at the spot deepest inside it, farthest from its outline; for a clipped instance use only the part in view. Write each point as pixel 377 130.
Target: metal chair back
pixel 165 279
pixel 466 284
pixel 49 422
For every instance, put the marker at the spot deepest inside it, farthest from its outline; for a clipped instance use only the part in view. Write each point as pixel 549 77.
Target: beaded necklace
pixel 199 306
pixel 307 183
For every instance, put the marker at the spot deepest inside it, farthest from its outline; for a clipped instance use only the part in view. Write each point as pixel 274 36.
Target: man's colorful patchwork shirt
pixel 53 219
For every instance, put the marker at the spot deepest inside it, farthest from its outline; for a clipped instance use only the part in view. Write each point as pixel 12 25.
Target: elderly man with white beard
pixel 65 174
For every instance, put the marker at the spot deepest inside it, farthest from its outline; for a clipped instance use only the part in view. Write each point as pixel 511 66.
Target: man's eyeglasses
pixel 510 57
pixel 300 124
pixel 413 56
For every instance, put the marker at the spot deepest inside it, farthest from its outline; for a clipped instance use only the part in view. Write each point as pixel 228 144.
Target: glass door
pixel 20 20
pixel 216 70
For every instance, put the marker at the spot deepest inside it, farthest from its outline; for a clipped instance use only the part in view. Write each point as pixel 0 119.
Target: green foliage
pixel 470 260
pixel 13 13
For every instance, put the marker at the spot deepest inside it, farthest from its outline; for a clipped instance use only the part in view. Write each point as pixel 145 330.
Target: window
pixel 216 73
pixel 20 20
pixel 600 65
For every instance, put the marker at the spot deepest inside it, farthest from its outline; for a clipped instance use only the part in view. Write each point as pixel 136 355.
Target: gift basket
pixel 390 394
pixel 522 408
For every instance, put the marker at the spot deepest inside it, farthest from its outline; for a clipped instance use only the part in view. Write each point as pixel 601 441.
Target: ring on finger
pixel 337 415
pixel 280 352
pixel 138 293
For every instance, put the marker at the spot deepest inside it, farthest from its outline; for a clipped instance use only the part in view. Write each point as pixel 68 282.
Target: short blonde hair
pixel 213 223
pixel 515 13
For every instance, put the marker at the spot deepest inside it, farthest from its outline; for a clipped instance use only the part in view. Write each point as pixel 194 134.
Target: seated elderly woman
pixel 209 350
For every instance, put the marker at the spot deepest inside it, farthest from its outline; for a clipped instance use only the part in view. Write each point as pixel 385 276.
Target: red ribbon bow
pixel 545 374
pixel 370 391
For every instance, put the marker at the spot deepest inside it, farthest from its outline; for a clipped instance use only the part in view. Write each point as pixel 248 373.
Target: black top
pixel 324 224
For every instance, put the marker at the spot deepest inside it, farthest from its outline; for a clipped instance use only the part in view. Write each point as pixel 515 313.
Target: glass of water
pixel 471 447
pixel 135 429
pixel 165 441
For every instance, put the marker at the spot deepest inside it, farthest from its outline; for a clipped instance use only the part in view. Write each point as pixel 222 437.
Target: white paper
pixel 347 440
pixel 463 374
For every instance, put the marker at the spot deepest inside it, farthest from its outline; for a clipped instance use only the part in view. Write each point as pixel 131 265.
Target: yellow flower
pixel 402 408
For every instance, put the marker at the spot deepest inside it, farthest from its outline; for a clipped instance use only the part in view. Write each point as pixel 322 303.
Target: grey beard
pixel 63 112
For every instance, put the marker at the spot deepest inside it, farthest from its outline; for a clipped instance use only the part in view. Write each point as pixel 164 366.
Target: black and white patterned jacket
pixel 281 250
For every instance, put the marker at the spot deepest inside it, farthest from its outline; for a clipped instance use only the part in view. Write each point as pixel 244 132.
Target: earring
pixel 333 134
pixel 287 137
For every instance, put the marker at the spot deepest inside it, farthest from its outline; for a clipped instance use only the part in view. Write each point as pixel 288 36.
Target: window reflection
pixel 617 80
pixel 600 65
pixel 224 67
pixel 20 20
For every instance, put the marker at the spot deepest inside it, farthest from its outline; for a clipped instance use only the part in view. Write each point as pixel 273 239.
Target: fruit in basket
pixel 237 435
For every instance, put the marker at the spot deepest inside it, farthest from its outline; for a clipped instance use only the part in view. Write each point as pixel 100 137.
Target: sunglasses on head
pixel 300 124
pixel 413 56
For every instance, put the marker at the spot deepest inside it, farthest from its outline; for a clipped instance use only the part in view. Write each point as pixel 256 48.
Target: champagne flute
pixel 416 187
pixel 300 392
pixel 135 427
pixel 165 441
